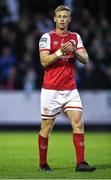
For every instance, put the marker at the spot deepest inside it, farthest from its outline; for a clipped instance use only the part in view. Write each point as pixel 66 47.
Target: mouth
pixel 62 24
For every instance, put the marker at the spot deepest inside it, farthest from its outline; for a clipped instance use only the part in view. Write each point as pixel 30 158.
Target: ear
pixel 54 19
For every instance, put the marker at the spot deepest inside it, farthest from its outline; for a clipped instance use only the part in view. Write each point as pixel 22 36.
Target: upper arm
pixel 44 43
pixel 43 55
pixel 79 42
pixel 80 47
pixel 82 52
pixel 44 47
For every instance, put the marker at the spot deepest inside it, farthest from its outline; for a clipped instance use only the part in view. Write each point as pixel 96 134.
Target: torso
pixel 60 75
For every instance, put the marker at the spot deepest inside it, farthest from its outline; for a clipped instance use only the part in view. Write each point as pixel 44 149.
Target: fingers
pixel 73 45
pixel 73 42
pixel 66 47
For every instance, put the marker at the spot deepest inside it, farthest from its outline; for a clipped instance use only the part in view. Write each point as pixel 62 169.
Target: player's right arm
pixel 45 45
pixel 47 59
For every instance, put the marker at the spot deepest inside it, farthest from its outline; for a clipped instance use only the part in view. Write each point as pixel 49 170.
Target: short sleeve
pixel 44 43
pixel 79 42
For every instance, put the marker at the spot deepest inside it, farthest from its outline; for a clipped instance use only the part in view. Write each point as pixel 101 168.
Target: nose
pixel 62 18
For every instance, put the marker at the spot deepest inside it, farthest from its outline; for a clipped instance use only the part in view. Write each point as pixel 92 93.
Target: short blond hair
pixel 62 8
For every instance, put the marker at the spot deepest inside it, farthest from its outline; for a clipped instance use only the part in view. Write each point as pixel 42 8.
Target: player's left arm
pixel 82 55
pixel 79 50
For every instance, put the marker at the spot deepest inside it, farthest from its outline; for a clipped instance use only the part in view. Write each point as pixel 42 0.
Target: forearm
pixel 81 54
pixel 49 59
pixel 83 58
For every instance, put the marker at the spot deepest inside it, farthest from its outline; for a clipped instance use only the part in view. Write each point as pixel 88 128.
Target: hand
pixel 66 47
pixel 73 45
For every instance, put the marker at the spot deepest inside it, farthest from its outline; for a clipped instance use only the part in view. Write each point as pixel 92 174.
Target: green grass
pixel 19 156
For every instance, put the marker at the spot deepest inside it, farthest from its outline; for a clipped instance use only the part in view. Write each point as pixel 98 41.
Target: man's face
pixel 62 19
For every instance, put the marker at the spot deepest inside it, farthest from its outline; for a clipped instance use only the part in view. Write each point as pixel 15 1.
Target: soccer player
pixel 59 49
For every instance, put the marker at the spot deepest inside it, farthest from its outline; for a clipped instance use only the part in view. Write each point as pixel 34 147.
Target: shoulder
pixel 74 34
pixel 45 35
pixel 51 32
pixel 77 38
pixel 44 42
pixel 44 39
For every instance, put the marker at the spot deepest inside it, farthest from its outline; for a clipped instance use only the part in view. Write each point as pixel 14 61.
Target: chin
pixel 62 28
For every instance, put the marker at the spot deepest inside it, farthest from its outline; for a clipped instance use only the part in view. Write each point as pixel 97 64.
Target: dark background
pixel 22 22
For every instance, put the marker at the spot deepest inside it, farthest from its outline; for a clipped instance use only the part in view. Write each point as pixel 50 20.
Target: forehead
pixel 62 12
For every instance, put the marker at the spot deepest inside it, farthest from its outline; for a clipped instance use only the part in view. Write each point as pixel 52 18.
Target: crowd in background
pixel 22 22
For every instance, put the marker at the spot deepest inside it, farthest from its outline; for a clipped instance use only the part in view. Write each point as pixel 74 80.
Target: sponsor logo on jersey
pixel 43 42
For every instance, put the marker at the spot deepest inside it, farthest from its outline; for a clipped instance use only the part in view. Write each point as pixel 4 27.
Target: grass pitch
pixel 19 156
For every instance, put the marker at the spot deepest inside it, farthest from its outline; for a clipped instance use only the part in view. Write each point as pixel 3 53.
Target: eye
pixel 59 16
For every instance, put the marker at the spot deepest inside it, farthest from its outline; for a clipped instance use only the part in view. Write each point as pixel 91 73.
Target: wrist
pixel 76 53
pixel 58 53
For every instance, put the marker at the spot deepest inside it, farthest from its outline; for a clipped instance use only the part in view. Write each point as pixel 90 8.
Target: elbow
pixel 44 64
pixel 86 60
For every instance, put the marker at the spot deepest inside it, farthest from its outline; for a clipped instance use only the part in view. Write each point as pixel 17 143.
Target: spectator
pixel 7 61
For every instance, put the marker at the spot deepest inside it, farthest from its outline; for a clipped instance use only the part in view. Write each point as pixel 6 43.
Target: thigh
pixel 75 116
pixel 50 107
pixel 73 101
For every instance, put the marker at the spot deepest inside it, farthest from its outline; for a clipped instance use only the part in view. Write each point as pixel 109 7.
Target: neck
pixel 61 31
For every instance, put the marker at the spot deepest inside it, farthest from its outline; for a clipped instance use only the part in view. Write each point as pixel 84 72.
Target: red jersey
pixel 60 75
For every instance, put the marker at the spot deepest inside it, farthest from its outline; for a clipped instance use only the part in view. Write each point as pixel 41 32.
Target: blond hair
pixel 62 8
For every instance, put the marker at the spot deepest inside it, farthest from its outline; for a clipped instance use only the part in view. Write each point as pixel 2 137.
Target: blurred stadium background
pixel 22 22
